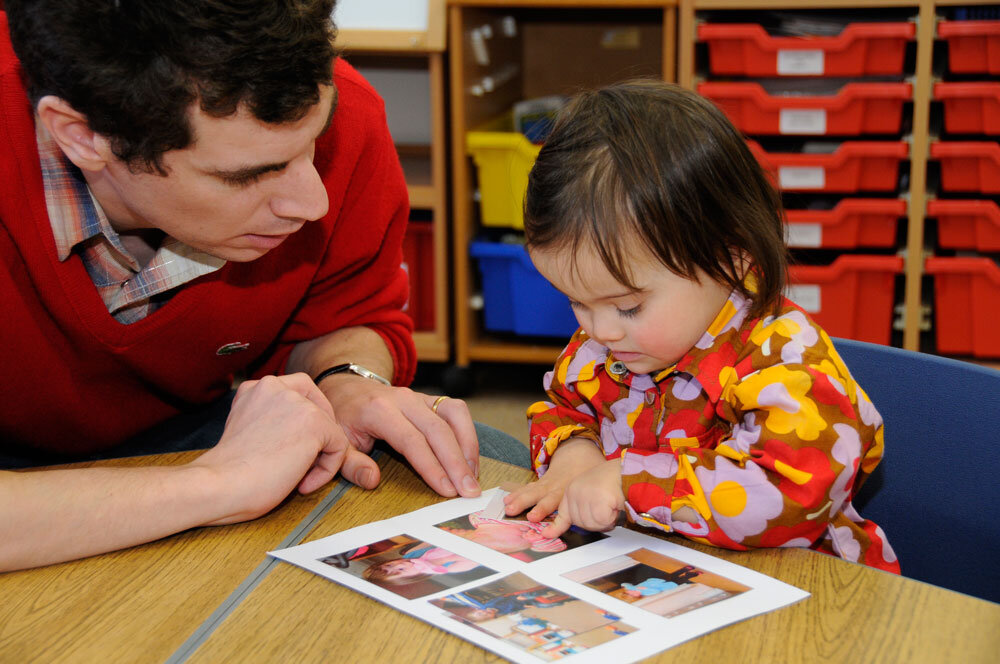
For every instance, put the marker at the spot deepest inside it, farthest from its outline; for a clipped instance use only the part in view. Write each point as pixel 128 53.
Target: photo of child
pixel 408 567
pixel 518 538
pixel 540 620
pixel 657 583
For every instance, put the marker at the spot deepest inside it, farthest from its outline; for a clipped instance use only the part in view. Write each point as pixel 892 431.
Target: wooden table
pixel 209 595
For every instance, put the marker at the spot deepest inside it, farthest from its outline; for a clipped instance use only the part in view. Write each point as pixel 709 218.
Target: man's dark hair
pixel 650 164
pixel 133 67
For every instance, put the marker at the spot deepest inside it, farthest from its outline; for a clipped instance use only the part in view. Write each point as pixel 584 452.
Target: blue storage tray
pixel 516 298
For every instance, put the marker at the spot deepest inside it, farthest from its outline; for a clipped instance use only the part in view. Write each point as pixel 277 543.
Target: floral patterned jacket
pixel 759 428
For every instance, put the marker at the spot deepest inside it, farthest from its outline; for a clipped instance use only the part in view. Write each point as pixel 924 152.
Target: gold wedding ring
pixel 437 402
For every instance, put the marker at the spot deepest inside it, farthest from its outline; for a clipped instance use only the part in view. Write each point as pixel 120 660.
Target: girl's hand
pixel 592 501
pixel 573 457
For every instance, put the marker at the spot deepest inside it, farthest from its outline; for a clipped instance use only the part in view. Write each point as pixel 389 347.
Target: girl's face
pixel 399 568
pixel 648 329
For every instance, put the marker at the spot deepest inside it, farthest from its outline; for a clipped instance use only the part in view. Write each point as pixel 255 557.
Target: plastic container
pixel 862 49
pixel 854 166
pixel 968 165
pixel 970 108
pixel 967 224
pixel 503 161
pixel 973 46
pixel 858 108
pixel 854 222
pixel 966 301
pixel 853 297
pixel 418 261
pixel 516 298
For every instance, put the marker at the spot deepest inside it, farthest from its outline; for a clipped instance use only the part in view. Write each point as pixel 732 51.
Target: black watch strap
pixel 356 369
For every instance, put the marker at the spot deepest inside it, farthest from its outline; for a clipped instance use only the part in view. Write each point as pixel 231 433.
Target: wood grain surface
pixel 856 614
pixel 140 604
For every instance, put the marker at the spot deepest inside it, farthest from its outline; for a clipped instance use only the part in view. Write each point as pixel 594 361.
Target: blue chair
pixel 936 493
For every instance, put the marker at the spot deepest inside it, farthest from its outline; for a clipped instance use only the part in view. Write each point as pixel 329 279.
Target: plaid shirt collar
pixel 78 223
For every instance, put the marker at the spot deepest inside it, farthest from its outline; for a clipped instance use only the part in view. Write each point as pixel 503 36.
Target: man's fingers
pixel 304 385
pixel 456 413
pixel 429 443
pixel 360 469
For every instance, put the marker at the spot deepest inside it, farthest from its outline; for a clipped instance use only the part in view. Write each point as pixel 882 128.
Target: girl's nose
pixel 606 328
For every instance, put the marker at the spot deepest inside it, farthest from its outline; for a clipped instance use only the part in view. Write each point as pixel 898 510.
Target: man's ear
pixel 87 149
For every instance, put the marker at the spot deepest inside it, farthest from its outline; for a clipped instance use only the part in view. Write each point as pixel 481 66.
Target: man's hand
pixel 572 458
pixel 441 446
pixel 592 501
pixel 281 433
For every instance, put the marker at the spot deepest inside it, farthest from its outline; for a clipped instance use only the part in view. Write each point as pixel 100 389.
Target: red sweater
pixel 76 380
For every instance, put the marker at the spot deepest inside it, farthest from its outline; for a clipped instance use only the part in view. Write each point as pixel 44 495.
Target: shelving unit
pixel 918 76
pixel 963 267
pixel 406 64
pixel 504 52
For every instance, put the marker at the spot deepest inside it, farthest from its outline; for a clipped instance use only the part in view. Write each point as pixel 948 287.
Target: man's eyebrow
pixel 248 172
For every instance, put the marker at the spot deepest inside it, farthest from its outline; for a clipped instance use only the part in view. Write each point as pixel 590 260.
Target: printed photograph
pixel 408 567
pixel 516 536
pixel 540 620
pixel 657 583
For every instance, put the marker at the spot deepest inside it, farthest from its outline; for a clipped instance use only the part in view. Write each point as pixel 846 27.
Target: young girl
pixel 695 397
pixel 418 564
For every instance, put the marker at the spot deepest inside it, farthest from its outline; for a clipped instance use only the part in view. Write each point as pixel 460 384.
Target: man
pixel 189 195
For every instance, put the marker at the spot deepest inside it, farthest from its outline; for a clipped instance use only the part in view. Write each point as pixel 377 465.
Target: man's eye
pixel 242 180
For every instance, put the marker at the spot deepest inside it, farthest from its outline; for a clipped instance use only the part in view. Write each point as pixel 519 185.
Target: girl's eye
pixel 630 313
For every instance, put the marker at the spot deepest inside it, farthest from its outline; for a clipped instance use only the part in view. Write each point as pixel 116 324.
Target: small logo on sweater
pixel 233 347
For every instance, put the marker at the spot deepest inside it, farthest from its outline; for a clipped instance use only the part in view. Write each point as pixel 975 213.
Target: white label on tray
pixel 801 177
pixel 802 121
pixel 803 235
pixel 806 296
pixel 800 63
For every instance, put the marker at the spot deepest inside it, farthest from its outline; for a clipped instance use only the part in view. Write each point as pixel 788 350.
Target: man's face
pixel 238 191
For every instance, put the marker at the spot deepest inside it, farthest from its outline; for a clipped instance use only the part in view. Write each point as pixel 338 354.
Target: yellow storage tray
pixel 503 160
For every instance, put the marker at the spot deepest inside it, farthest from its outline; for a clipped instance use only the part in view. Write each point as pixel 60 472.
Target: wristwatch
pixel 351 368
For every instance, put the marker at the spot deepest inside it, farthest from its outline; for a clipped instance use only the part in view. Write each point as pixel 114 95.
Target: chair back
pixel 938 486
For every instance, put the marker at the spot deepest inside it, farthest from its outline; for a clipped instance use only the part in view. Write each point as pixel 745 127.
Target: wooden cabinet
pixel 406 64
pixel 504 52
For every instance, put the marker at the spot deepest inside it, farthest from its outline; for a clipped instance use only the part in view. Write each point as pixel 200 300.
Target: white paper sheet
pixel 620 596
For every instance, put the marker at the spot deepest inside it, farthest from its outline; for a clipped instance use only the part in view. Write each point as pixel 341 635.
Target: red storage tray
pixel 858 108
pixel 418 261
pixel 967 224
pixel 854 222
pixel 853 297
pixel 745 49
pixel 966 301
pixel 973 46
pixel 970 108
pixel 854 166
pixel 968 165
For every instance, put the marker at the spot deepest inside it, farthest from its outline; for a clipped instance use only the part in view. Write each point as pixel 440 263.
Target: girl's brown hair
pixel 647 163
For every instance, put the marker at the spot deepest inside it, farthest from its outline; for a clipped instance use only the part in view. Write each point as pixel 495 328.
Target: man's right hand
pixel 281 434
